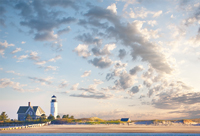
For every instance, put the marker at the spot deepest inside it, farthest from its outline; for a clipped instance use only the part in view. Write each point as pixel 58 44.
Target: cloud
pixel 105 51
pixel 63 31
pixel 42 81
pixel 96 81
pixel 87 38
pixel 46 36
pixel 119 67
pixel 157 14
pixel 152 22
pixel 119 64
pixel 13 72
pixel 175 100
pixel 34 56
pixel 63 84
pixel 86 73
pixel 22 57
pixel 56 46
pixel 143 13
pixel 122 53
pixel 190 111
pixel 65 4
pixel 3 46
pixel 102 62
pixel 40 62
pixel 87 23
pixel 2 10
pixel 93 95
pixel 47 68
pixel 75 86
pixel 125 81
pixel 129 2
pixel 2 22
pixel 16 50
pixel 23 42
pixel 136 69
pixel 113 8
pixel 91 88
pixel 48 24
pixel 131 35
pixel 41 21
pixel 56 58
pixel 82 50
pixel 5 82
pixel 135 89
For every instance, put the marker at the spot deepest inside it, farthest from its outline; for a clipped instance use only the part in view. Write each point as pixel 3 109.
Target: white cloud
pixel 152 22
pixel 6 82
pixel 63 84
pixel 128 2
pixel 46 36
pixel 97 81
pixel 3 46
pixel 125 81
pixel 47 68
pixel 113 8
pixel 42 81
pixel 34 56
pixel 75 86
pixel 40 62
pixel 143 13
pixel 86 73
pixel 196 5
pixel 22 57
pixel 56 58
pixel 157 14
pixel 105 51
pixel 16 50
pixel 82 50
pixel 13 72
pixel 23 42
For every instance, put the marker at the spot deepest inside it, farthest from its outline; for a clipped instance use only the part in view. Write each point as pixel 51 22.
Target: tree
pixel 58 116
pixel 51 117
pixel 66 116
pixel 28 117
pixel 72 117
pixel 43 116
pixel 3 116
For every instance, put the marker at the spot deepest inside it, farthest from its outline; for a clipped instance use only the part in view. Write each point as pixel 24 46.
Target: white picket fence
pixel 26 126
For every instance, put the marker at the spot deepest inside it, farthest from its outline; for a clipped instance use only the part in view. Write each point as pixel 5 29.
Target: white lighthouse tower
pixel 54 108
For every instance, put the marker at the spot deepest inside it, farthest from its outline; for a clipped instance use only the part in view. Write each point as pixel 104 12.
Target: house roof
pixel 23 109
pixel 125 119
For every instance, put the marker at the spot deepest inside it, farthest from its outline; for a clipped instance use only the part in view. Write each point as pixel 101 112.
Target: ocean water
pixel 102 134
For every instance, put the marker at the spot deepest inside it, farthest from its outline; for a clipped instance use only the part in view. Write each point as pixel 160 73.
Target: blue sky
pixel 110 59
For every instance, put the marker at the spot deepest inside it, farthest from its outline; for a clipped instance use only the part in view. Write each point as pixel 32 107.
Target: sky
pixel 101 58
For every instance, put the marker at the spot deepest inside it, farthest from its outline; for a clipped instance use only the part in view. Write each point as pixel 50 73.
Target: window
pixel 30 113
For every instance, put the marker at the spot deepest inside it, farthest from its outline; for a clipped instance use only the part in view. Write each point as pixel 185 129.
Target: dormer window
pixel 30 113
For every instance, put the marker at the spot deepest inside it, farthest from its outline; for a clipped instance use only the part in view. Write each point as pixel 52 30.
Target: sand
pixel 107 129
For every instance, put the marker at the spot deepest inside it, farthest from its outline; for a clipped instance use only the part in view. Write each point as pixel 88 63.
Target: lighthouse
pixel 54 108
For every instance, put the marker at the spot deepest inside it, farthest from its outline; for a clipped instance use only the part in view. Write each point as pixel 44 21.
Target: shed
pixel 126 119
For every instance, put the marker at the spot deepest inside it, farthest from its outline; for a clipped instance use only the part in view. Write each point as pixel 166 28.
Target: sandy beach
pixel 107 129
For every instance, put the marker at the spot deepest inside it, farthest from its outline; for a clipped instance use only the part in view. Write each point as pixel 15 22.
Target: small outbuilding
pixel 34 111
pixel 126 119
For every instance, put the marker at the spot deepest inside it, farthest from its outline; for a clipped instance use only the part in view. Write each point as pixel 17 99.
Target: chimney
pixel 29 104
